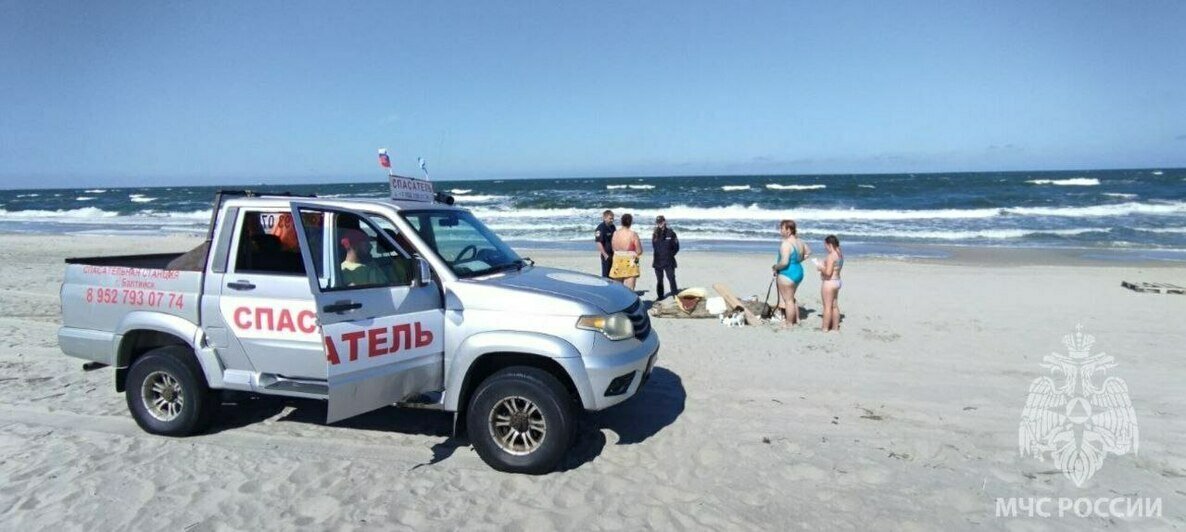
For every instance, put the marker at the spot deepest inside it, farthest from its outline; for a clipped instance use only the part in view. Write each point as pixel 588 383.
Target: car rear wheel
pixel 521 420
pixel 167 394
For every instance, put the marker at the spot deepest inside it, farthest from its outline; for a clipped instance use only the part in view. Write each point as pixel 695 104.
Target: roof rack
pixel 222 195
pixel 256 193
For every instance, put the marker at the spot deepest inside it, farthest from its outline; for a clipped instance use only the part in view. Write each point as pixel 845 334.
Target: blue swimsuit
pixel 793 271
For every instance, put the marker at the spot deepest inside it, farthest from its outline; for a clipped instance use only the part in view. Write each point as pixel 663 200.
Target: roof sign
pixel 410 189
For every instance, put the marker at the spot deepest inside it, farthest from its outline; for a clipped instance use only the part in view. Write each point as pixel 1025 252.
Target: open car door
pixel 383 331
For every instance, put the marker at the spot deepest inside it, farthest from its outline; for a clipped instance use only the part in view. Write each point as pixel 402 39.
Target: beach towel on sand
pixel 689 303
pixel 675 308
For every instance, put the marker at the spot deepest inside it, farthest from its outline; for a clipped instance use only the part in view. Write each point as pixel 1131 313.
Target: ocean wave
pixel 140 198
pixel 460 191
pixel 570 226
pixel 181 215
pixel 1120 195
pixel 776 186
pixel 83 198
pixel 97 216
pixel 682 213
pixel 984 234
pixel 1157 172
pixel 33 195
pixel 690 236
pixel 479 198
pixel 95 191
pixel 866 186
pixel 1072 182
pixel 754 212
pixel 1163 230
pixel 632 187
pixel 742 212
pixel 83 213
pixel 1093 211
pixel 731 188
pixel 772 237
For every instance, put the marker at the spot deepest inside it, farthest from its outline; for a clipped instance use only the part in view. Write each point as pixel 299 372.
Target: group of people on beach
pixel 788 275
pixel 621 248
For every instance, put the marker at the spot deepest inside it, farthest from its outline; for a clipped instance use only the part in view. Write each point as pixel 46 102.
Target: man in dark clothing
pixel 604 237
pixel 665 244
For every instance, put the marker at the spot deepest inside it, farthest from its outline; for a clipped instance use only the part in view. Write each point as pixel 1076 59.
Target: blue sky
pixel 121 93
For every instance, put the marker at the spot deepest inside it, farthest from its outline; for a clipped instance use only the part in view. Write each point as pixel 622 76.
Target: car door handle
pixel 240 285
pixel 342 306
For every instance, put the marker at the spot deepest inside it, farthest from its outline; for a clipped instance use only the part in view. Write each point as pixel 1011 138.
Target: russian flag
pixel 384 160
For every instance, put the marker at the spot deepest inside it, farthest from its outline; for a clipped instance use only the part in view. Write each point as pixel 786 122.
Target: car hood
pixel 602 293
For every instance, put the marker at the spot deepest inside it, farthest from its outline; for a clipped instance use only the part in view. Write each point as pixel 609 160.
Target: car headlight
pixel 614 326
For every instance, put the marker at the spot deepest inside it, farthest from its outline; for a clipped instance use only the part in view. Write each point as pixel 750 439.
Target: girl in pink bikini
pixel 829 274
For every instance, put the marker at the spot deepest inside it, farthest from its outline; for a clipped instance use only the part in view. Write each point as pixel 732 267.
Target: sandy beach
pixel 906 419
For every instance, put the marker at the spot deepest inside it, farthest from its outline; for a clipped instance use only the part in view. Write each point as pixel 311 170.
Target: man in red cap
pixel 357 269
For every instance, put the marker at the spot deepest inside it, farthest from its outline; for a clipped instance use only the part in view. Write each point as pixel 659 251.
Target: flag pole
pixel 424 168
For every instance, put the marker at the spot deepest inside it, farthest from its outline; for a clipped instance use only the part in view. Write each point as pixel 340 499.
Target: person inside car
pixel 357 266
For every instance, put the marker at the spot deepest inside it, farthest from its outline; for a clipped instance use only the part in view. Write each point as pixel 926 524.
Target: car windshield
pixel 466 245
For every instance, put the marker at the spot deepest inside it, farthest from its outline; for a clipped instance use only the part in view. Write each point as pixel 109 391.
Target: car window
pixel 268 244
pixel 360 258
pixel 464 243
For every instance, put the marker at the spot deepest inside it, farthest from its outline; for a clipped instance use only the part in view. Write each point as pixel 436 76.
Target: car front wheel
pixel 521 420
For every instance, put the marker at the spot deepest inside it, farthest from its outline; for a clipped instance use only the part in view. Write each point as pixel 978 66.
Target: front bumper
pixel 626 359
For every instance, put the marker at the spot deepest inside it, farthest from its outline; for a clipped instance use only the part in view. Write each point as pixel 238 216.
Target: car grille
pixel 639 319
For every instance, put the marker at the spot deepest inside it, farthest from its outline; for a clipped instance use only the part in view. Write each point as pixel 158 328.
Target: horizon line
pixel 576 177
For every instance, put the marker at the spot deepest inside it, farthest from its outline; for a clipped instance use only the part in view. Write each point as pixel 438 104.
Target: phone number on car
pixel 138 298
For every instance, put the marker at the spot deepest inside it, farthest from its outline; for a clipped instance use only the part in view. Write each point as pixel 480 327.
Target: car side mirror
pixel 423 271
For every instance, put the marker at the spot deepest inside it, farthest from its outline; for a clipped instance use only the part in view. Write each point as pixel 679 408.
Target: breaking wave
pixel 83 213
pixel 1072 182
pixel 776 186
pixel 479 198
pixel 754 212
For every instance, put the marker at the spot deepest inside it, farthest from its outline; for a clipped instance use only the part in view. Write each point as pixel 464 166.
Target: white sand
pixel 906 420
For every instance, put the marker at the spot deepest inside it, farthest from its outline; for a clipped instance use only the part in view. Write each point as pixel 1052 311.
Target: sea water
pixel 1102 210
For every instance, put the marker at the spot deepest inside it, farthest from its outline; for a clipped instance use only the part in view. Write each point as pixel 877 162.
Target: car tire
pixel 521 420
pixel 179 402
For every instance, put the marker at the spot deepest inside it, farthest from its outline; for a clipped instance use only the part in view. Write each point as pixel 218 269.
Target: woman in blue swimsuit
pixel 788 269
